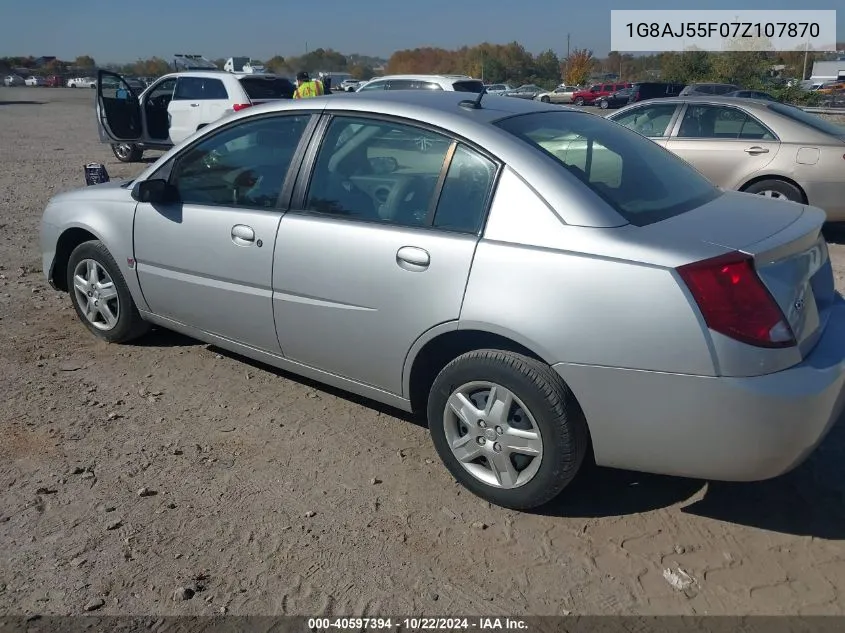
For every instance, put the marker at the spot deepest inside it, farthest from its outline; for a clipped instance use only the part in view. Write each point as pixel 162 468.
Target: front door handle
pixel 195 105
pixel 756 149
pixel 413 258
pixel 243 235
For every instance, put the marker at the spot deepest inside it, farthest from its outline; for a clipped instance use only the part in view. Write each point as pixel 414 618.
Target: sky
pixel 123 31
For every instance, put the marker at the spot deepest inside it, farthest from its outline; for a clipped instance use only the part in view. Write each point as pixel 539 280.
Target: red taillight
pixel 734 301
pixel 240 106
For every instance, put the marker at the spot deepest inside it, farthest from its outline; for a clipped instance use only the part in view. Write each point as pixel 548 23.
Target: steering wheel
pixel 407 202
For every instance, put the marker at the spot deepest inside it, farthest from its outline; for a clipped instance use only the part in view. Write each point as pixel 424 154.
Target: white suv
pixel 175 106
pixel 82 82
pixel 454 83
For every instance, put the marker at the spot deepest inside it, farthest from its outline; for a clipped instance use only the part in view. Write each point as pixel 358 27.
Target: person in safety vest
pixel 306 87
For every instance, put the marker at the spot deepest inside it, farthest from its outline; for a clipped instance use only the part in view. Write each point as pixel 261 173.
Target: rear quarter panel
pixel 582 295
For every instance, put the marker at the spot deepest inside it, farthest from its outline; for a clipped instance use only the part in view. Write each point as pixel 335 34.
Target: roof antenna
pixel 473 104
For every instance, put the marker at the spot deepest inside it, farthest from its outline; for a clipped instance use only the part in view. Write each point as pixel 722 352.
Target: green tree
pixel 277 64
pixel 85 61
pixel 547 69
pixel 687 67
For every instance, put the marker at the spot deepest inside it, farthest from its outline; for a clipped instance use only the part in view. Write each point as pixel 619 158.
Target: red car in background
pixel 596 92
pixel 55 81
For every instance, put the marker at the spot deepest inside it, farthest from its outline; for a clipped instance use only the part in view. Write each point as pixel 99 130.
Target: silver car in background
pixel 543 284
pixel 751 145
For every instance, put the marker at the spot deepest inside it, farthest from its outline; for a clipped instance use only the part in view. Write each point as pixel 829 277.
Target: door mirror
pixel 154 191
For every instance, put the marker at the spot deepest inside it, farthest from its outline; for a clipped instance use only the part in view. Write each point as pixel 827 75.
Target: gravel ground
pixel 169 477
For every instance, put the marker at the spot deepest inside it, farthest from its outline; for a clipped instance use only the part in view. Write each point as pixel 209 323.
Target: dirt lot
pixel 271 495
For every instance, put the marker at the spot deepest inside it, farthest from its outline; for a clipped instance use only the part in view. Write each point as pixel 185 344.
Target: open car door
pixel 119 113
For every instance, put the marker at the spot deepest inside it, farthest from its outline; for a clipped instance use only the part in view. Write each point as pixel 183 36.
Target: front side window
pixel 718 122
pixel 377 171
pixel 244 165
pixel 162 89
pixel 651 121
pixel 643 182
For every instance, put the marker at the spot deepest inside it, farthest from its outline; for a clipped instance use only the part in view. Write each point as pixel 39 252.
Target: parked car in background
pixel 761 147
pixel 175 106
pixel 561 94
pixel 349 85
pixel 526 91
pixel 498 89
pixel 34 80
pixel 135 83
pixel 450 83
pixel 696 90
pixel 750 94
pixel 13 80
pixel 831 87
pixel 55 81
pixel 615 100
pixel 595 92
pixel 644 90
pixel 707 340
pixel 82 82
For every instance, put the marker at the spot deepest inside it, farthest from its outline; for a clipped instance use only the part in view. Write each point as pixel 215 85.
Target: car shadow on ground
pixel 809 501
pixel 6 103
pixel 834 233
pixel 314 384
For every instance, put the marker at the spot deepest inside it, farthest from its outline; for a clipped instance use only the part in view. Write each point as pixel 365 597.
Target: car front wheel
pixel 507 427
pixel 100 295
pixel 579 101
pixel 604 105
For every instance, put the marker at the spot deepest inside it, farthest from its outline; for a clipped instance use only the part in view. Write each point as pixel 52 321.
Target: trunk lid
pixel 789 250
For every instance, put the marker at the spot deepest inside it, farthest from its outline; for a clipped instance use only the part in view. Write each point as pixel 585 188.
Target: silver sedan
pixel 544 285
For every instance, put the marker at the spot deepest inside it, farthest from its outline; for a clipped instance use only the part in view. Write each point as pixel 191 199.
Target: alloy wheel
pixel 96 294
pixel 769 193
pixel 493 434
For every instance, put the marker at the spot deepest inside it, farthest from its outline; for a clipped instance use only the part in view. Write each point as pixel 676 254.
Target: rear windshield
pixel 812 120
pixel 468 86
pixel 263 88
pixel 643 182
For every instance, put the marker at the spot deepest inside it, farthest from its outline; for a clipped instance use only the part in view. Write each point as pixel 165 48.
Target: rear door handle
pixel 413 258
pixel 195 105
pixel 756 149
pixel 243 235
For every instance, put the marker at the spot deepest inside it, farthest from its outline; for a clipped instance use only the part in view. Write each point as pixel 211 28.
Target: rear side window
pixel 811 120
pixel 475 86
pixel 643 182
pixel 376 85
pixel 258 88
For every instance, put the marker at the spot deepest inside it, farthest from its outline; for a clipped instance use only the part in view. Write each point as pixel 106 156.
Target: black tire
pixel 556 412
pixel 127 152
pixel 545 99
pixel 129 325
pixel 579 101
pixel 603 104
pixel 785 189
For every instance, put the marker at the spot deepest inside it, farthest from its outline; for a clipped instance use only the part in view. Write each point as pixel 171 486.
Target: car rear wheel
pixel 579 101
pixel 127 152
pixel 507 427
pixel 100 295
pixel 778 189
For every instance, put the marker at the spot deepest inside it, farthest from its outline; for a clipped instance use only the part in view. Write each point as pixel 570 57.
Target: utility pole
pixel 566 74
pixel 806 52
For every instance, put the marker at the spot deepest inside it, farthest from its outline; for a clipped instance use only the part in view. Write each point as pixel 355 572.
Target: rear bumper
pixel 728 429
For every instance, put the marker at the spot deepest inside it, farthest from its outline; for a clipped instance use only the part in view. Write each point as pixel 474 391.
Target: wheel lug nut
pixel 499 430
pixel 497 447
pixel 481 440
pixel 482 424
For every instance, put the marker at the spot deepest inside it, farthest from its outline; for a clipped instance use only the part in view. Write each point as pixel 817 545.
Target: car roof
pixel 422 77
pixel 716 100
